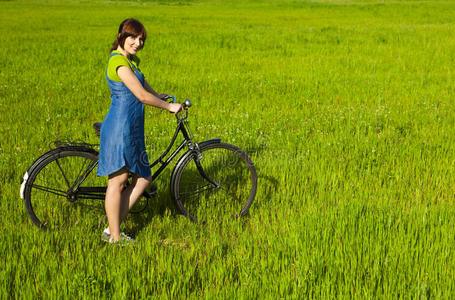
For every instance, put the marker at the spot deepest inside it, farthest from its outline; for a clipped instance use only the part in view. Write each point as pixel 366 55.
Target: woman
pixel 122 146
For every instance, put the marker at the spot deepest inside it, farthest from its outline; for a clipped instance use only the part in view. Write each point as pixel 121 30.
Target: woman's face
pixel 133 44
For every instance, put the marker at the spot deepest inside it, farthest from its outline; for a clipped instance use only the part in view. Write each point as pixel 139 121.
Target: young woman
pixel 122 146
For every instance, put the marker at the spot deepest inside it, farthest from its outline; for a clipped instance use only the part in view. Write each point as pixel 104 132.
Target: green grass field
pixel 346 108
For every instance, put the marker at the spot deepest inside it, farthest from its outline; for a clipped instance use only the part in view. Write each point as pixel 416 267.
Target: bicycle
pixel 209 178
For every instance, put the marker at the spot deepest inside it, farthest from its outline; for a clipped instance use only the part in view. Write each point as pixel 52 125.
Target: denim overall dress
pixel 122 133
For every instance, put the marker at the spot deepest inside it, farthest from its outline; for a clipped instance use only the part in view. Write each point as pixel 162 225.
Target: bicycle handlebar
pixel 167 97
pixel 185 104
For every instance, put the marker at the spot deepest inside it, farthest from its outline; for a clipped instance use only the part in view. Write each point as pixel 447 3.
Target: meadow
pixel 345 107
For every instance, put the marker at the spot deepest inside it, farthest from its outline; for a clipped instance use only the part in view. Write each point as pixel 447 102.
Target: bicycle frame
pixel 182 126
pixel 76 191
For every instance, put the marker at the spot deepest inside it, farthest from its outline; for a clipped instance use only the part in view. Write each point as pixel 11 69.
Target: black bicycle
pixel 211 180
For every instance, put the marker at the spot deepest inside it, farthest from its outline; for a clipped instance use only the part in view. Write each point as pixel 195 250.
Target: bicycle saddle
pixel 97 127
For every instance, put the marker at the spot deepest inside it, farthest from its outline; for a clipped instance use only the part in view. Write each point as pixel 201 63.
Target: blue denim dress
pixel 122 133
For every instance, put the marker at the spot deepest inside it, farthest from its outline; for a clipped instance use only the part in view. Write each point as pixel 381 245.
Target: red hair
pixel 129 27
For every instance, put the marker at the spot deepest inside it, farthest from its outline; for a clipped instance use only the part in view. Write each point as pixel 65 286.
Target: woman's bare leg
pixel 119 200
pixel 131 194
pixel 113 201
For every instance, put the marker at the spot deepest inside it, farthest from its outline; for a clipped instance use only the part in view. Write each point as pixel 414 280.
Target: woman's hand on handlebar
pixel 175 108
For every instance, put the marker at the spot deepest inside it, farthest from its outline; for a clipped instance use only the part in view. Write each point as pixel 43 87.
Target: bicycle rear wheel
pixel 216 184
pixel 48 191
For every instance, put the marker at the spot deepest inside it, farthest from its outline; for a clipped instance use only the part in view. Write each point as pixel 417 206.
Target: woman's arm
pixel 149 89
pixel 146 97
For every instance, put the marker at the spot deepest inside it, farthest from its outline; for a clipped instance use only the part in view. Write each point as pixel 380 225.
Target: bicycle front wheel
pixel 49 195
pixel 218 182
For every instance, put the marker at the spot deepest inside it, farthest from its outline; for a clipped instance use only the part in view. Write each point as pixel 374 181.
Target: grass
pixel 346 108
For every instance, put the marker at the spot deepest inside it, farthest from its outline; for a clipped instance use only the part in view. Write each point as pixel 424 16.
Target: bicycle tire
pixel 225 164
pixel 48 183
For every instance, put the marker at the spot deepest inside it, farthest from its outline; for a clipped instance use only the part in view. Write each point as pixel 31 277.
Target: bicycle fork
pixel 197 161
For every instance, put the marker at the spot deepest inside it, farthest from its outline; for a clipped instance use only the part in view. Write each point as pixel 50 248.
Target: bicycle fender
pixel 45 156
pixel 215 140
pixel 186 154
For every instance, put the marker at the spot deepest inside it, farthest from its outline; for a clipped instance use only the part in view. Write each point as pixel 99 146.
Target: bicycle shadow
pixel 157 207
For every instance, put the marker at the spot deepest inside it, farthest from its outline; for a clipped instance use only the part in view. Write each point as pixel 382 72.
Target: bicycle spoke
pixel 50 190
pixel 63 173
pixel 204 188
pixel 80 173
